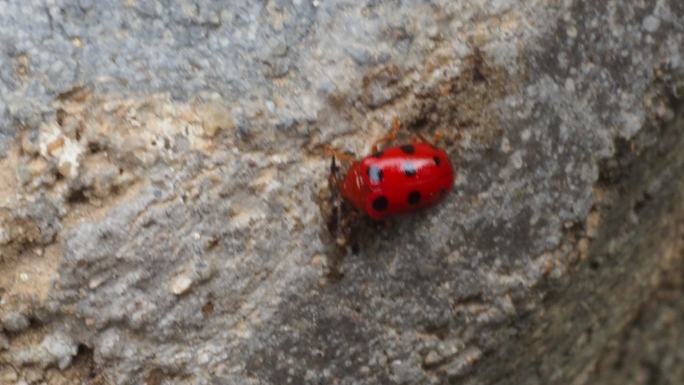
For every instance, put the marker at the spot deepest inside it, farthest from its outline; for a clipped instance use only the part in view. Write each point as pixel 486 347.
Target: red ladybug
pixel 396 180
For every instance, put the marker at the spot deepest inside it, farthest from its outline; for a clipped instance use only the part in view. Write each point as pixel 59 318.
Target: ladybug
pixel 396 180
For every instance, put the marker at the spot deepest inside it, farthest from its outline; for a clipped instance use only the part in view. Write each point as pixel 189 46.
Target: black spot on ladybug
pixel 437 160
pixel 442 191
pixel 414 197
pixel 375 174
pixel 408 149
pixel 380 203
pixel 377 154
pixel 409 169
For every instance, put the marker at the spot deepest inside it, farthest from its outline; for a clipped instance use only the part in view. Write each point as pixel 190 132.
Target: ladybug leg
pixel 422 138
pixel 392 135
pixel 436 138
pixel 344 156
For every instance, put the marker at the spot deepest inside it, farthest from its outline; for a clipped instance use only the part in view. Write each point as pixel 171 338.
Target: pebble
pixel 432 358
pixel 181 284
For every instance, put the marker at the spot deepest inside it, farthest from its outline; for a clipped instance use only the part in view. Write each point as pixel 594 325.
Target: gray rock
pixel 14 322
pixel 4 342
pixel 61 348
pixel 8 375
pixel 56 348
pixel 171 167
pixel 650 348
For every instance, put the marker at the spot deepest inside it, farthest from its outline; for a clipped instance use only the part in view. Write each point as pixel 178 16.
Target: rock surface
pixel 163 180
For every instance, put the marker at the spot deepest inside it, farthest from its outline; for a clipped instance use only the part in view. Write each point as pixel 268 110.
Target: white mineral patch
pixel 181 284
pixel 64 151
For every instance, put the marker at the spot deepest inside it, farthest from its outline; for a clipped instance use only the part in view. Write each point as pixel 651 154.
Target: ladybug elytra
pixel 396 180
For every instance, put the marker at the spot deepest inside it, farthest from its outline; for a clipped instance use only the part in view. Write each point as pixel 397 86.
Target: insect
pixel 391 181
pixel 396 180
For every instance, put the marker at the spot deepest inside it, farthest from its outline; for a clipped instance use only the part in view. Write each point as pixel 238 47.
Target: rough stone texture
pixel 650 349
pixel 162 185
